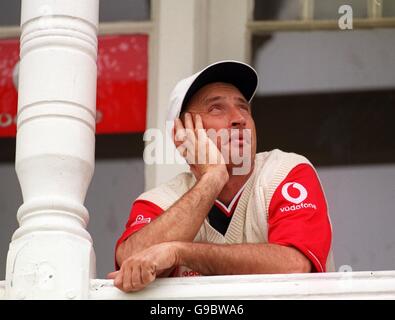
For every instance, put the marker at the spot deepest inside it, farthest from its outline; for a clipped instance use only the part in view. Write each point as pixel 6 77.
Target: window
pixel 291 15
pixel 124 10
pixel 329 94
pixel 299 60
pixel 329 10
pixel 389 8
pixel 10 12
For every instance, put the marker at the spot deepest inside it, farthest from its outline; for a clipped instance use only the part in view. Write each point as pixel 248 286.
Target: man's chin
pixel 243 168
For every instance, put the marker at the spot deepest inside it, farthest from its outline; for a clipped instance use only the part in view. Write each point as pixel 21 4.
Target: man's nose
pixel 237 118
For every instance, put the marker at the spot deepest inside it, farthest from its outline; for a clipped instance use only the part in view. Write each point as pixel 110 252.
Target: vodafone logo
pixel 298 203
pixel 140 219
pixel 287 196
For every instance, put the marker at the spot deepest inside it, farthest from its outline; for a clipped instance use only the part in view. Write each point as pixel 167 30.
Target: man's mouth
pixel 240 136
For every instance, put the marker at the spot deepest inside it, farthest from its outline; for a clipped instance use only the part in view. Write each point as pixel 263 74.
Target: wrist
pixel 216 177
pixel 179 252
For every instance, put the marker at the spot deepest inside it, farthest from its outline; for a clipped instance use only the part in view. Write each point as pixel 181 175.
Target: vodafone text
pixel 295 207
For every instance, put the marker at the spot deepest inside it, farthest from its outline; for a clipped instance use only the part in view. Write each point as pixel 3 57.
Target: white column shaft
pixel 51 253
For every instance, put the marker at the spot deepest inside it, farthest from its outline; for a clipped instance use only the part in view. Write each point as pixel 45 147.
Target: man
pixel 271 218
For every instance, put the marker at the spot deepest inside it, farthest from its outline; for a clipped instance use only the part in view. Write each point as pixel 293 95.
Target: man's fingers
pixel 127 279
pixel 132 278
pixel 178 124
pixel 187 150
pixel 200 131
pixel 136 278
pixel 189 128
pixel 182 149
pixel 198 122
pixel 118 280
pixel 112 275
pixel 178 131
pixel 188 121
pixel 174 130
pixel 148 274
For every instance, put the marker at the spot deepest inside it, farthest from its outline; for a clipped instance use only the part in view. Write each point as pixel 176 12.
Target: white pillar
pixel 51 254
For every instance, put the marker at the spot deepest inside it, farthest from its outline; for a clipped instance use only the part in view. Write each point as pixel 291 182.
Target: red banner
pixel 9 56
pixel 121 84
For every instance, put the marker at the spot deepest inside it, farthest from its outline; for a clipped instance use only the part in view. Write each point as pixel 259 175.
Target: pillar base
pixel 49 265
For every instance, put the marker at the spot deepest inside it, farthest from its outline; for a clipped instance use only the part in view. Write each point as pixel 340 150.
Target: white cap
pixel 241 75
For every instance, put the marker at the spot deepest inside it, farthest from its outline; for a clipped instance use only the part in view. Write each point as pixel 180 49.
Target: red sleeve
pixel 298 216
pixel 142 213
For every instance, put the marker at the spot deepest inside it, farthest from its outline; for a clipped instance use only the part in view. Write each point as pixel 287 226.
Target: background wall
pixel 361 206
pixel 360 197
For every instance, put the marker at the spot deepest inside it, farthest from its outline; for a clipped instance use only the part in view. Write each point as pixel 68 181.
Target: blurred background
pixel 324 92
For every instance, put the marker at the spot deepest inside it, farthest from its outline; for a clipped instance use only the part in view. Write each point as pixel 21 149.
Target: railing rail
pixel 340 285
pixel 328 286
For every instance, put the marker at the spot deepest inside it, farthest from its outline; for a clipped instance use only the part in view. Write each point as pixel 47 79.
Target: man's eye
pixel 215 107
pixel 245 107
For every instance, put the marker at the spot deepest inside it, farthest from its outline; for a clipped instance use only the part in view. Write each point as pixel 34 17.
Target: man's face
pixel 223 108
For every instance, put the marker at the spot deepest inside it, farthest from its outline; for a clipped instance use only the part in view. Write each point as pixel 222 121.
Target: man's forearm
pixel 180 222
pixel 224 259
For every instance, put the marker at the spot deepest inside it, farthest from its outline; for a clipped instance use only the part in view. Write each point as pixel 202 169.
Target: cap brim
pixel 241 75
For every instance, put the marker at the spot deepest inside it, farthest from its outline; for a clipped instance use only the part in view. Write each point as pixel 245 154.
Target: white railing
pixel 329 286
pixel 347 285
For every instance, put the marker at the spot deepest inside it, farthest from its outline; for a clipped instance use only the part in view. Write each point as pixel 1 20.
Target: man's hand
pixel 141 269
pixel 198 149
pixel 208 259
